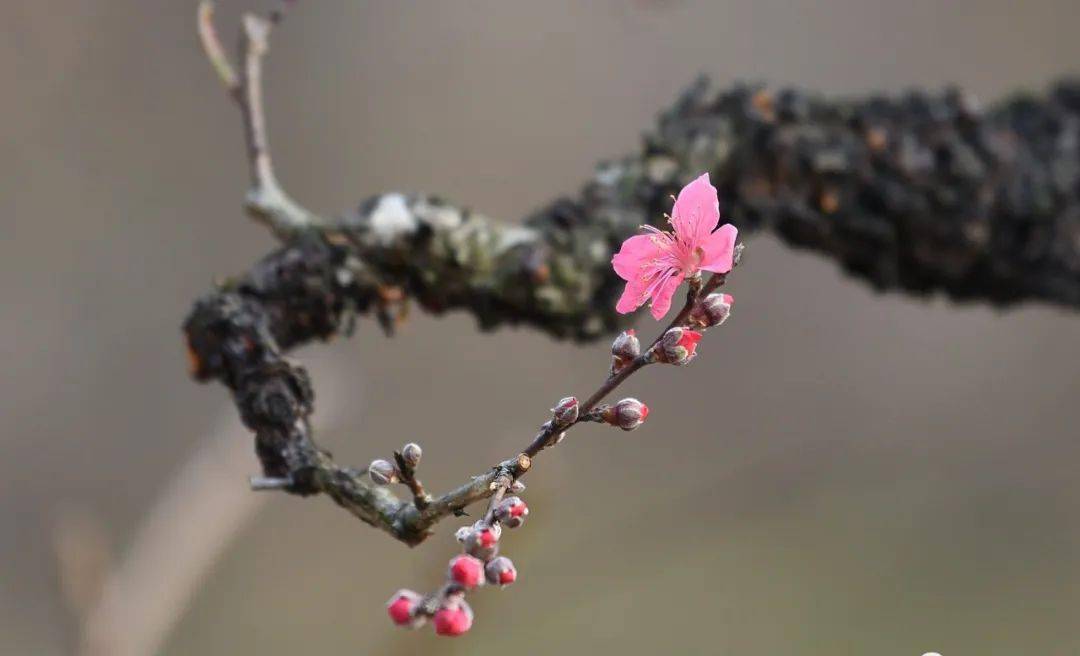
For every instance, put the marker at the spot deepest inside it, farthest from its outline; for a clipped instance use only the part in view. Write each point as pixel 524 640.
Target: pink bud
pixel 678 346
pixel 382 472
pixel 482 542
pixel 517 487
pixel 454 618
pixel 712 310
pixel 501 571
pixel 512 512
pixel 466 571
pixel 627 414
pixel 402 608
pixel 566 411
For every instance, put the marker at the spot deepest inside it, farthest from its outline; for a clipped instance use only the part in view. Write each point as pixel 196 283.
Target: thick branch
pixel 923 193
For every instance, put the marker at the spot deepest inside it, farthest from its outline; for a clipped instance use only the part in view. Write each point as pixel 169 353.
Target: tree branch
pixel 923 193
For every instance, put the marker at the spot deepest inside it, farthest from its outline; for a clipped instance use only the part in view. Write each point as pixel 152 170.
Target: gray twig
pixel 266 200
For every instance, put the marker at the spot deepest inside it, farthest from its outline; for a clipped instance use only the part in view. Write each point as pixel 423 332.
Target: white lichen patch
pixel 439 217
pixel 391 218
pixel 512 236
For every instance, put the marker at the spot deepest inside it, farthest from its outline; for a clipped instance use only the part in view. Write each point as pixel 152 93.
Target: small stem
pixel 260 483
pixel 212 46
pixel 408 477
pixel 501 484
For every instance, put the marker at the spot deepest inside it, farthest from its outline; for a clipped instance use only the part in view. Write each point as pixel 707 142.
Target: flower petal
pixel 632 298
pixel 719 249
pixel 661 297
pixel 697 211
pixel 633 255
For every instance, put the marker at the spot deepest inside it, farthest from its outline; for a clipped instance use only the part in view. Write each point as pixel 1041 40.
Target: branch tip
pixel 211 44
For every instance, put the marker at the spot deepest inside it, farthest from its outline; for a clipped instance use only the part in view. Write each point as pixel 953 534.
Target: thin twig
pixel 212 46
pixel 266 200
pixel 499 487
pixel 262 483
pixel 408 477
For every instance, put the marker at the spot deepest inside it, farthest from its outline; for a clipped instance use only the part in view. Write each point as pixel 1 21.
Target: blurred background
pixel 840 472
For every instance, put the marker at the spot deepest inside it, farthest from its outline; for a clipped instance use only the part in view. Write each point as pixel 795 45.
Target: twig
pixel 421 499
pixel 212 46
pixel 266 199
pixel 262 483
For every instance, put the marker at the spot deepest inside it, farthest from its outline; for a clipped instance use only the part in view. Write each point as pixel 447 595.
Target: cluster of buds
pixel 645 262
pixel 452 616
pixel 384 472
pixel 480 564
pixel 402 470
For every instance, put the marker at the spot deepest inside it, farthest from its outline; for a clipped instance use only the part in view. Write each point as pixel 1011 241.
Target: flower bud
pixel 411 454
pixel 566 411
pixel 453 618
pixel 627 414
pixel 402 608
pixel 626 345
pixel 382 472
pixel 501 571
pixel 480 525
pixel 712 310
pixel 517 487
pixel 624 349
pixel 483 542
pixel 462 533
pixel 678 346
pixel 466 571
pixel 512 512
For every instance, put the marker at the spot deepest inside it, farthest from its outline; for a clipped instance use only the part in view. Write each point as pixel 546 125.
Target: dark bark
pixel 922 193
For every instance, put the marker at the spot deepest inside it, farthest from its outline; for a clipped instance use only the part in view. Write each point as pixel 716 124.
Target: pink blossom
pixel 655 263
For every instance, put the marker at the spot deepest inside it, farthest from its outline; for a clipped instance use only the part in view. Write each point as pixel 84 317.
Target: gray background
pixel 839 472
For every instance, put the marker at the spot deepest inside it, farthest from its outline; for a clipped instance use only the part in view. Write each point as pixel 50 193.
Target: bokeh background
pixel 839 473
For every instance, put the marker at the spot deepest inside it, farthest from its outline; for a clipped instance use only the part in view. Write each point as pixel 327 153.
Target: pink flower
pixel 654 264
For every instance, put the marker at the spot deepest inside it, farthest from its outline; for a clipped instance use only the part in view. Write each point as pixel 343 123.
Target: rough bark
pixel 921 193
